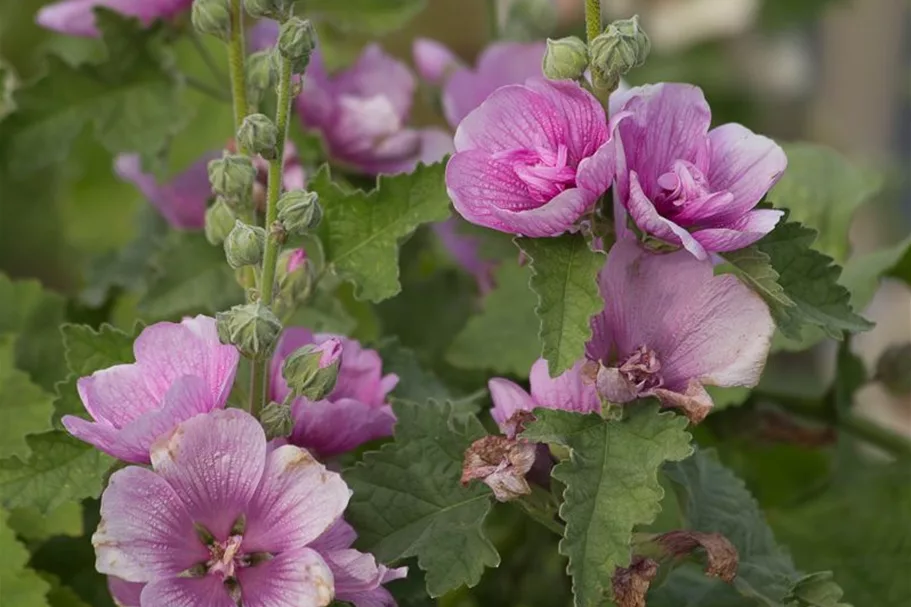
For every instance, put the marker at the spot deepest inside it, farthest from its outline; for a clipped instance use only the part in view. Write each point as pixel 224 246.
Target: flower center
pixel 642 369
pixel 225 558
pixel 544 172
pixel 682 186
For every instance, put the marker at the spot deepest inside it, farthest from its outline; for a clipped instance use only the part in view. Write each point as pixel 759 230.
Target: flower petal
pixel 145 531
pixel 742 233
pixel 333 427
pixel 508 398
pixel 377 74
pixel 106 438
pixel 124 593
pixel 207 591
pixel 340 536
pixel 694 401
pixel 433 60
pixel 584 123
pixel 215 463
pixel 359 578
pixel 568 391
pixel 646 217
pixel 298 500
pixel 291 579
pixel 117 395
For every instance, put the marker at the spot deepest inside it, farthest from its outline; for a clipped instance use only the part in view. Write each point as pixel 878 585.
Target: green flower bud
pixel 296 42
pixel 219 222
pixel 261 75
pixel 893 369
pixel 277 421
pixel 244 245
pixel 212 17
pixel 259 134
pixel 294 275
pixel 311 371
pixel 232 177
pixel 299 211
pixel 252 328
pixel 279 10
pixel 565 58
pixel 622 46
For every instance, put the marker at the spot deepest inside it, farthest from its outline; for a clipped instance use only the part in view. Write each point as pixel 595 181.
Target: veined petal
pixel 743 232
pixel 207 591
pixel 116 395
pixel 124 593
pixel 106 438
pixel 333 427
pixel 291 579
pixel 568 391
pixel 646 216
pixel 508 398
pixel 584 123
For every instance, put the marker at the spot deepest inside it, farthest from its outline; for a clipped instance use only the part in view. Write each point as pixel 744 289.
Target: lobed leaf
pixel 24 407
pixel 21 585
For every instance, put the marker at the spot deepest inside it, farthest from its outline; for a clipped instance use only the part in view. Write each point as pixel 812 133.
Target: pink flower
pixel 181 370
pixel 466 251
pixel 221 520
pixel 433 60
pixel 361 112
pixel 296 260
pixel 77 17
pixel 353 413
pixel 532 159
pixel 687 185
pixel 670 326
pixel 568 392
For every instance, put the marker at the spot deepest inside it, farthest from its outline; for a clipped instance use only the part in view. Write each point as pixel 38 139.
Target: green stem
pixel 236 63
pixel 493 18
pixel 592 19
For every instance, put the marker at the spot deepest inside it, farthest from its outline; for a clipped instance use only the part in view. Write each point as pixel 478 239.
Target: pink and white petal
pixel 584 124
pixel 568 391
pixel 298 501
pixel 596 173
pixel 556 217
pixel 207 591
pixel 378 597
pixel 360 373
pixel 742 233
pixel 667 122
pixel 333 427
pixel 508 398
pixel 479 186
pixel 167 350
pixel 433 60
pixel 647 218
pixel 73 17
pixel 124 593
pixel 745 164
pixel 105 438
pixel 117 395
pixel 435 145
pixel 145 531
pixel 291 579
pixel 359 578
pixel 214 462
pixel 377 74
pixel 340 536
pixel 512 117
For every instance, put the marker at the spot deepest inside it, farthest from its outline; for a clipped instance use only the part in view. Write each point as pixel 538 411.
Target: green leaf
pixel 611 480
pixel 324 313
pixel 24 407
pixel 369 16
pixel 416 384
pixel 503 337
pixel 21 585
pixel 823 190
pixel 131 98
pixel 60 469
pixel 408 500
pixel 755 269
pixel 863 272
pixel 727 397
pixel 816 590
pixel 33 525
pixel 565 277
pixel 192 278
pixel 361 232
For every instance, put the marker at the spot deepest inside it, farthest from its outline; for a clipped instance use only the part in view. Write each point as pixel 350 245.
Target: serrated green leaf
pixel 361 232
pixel 132 100
pixel 611 480
pixel 370 16
pixel 565 277
pixel 60 469
pixel 408 500
pixel 816 590
pixel 503 337
pixel 823 190
pixel 863 272
pixel 754 268
pixel 33 525
pixel 192 277
pixel 24 407
pixel 20 585
pixel 416 384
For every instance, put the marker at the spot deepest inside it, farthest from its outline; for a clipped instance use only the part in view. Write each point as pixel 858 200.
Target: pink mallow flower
pixel 222 519
pixel 532 159
pixel 77 17
pixel 685 184
pixel 181 370
pixel 568 392
pixel 356 410
pixel 670 326
pixel 361 113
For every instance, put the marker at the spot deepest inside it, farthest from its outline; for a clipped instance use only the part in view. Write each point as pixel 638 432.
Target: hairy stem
pixel 592 19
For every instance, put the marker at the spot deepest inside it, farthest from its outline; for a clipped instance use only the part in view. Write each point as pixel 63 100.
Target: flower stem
pixel 236 63
pixel 592 19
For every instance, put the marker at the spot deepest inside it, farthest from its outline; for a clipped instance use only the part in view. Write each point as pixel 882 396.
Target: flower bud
pixel 259 134
pixel 565 58
pixel 269 9
pixel 219 222
pixel 232 177
pixel 311 371
pixel 277 421
pixel 622 46
pixel 299 211
pixel 212 17
pixel 244 245
pixel 294 275
pixel 893 369
pixel 261 75
pixel 296 42
pixel 252 328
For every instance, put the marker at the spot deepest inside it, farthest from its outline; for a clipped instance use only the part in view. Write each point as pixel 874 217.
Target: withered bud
pixel 500 463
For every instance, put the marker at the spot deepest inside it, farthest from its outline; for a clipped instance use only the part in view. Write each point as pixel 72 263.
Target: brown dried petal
pixel 721 555
pixel 501 463
pixel 631 583
pixel 695 402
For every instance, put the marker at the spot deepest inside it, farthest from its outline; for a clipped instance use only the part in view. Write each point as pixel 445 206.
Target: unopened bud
pixel 299 211
pixel 277 421
pixel 295 275
pixel 244 245
pixel 232 177
pixel 279 10
pixel 311 371
pixel 212 17
pixel 219 222
pixel 565 58
pixel 893 369
pixel 252 328
pixel 622 46
pixel 296 42
pixel 259 134
pixel 501 463
pixel 261 75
